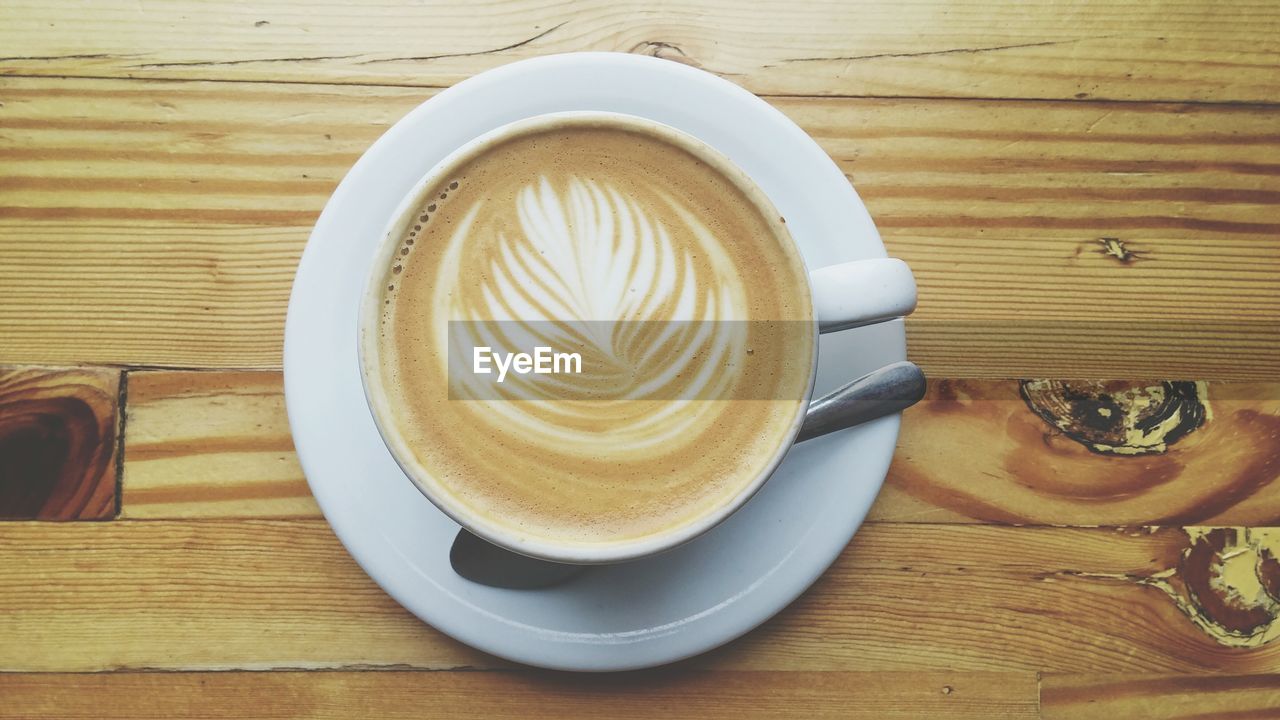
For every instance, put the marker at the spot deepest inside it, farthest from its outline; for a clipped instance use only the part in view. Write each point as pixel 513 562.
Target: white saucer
pixel 640 614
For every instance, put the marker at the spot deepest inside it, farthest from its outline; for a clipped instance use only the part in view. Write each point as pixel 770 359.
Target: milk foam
pixel 561 230
pixel 578 257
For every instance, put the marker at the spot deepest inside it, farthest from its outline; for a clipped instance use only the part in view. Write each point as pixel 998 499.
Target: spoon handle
pixel 891 389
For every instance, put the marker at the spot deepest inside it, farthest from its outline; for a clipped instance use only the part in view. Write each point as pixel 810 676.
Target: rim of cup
pixel 376 394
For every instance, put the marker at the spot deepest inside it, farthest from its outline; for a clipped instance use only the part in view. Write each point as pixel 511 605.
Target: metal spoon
pixel 893 388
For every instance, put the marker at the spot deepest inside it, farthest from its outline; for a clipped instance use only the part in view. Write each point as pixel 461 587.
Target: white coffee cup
pixel 846 295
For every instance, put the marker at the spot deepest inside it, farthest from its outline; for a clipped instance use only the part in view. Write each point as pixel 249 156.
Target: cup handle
pixel 862 292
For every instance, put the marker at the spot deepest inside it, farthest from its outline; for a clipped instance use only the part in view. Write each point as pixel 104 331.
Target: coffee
pixel 616 239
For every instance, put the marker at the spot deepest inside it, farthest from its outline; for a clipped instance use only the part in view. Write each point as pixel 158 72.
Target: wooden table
pixel 1086 190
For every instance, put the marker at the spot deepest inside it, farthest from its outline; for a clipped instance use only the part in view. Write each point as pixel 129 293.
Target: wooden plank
pixel 164 226
pixel 211 444
pixel 1168 50
pixel 1119 453
pixel 1072 697
pixel 910 598
pixel 180 210
pixel 204 444
pixel 1049 239
pixel 58 431
pixel 202 595
pixel 390 695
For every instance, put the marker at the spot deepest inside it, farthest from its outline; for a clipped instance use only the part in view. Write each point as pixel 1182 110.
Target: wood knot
pixel 664 50
pixel 1118 417
pixel 57 444
pixel 1231 578
pixel 1226 582
pixel 1114 247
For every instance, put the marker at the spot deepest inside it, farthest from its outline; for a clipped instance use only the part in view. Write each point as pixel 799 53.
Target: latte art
pixel 591 253
pixel 592 270
pixel 634 254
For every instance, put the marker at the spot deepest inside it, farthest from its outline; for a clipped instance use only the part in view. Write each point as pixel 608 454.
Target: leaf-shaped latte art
pixel 643 292
pixel 644 256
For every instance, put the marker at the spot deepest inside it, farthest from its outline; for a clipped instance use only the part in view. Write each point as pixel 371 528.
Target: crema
pixel 680 293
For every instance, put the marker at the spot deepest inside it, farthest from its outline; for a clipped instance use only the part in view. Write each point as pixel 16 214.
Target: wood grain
pixel 976 451
pixel 1180 697
pixel 213 444
pixel 203 595
pixel 903 598
pixel 1090 191
pixel 390 695
pixel 206 444
pixel 1166 50
pixel 58 443
pixel 1049 239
